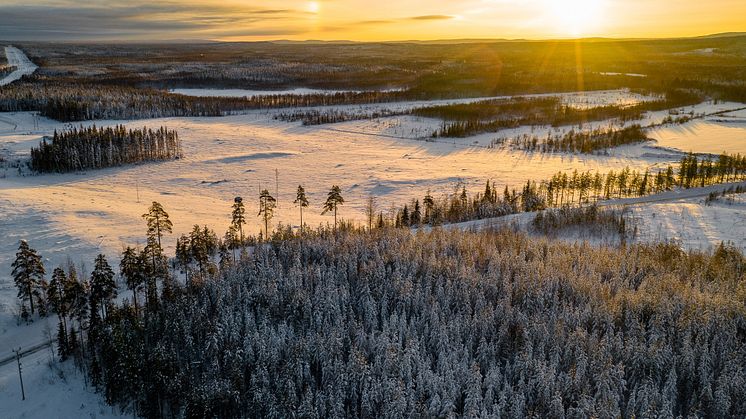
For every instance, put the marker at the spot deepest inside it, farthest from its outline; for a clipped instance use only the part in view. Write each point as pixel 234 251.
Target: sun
pixel 575 17
pixel 313 6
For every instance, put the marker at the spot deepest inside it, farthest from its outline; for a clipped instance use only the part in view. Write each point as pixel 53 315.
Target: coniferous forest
pixel 395 324
pixel 96 148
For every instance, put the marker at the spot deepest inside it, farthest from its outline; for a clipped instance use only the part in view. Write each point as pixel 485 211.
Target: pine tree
pixel 239 217
pixel 333 201
pixel 203 243
pixel 158 222
pixel 302 202
pixel 28 272
pixel 267 204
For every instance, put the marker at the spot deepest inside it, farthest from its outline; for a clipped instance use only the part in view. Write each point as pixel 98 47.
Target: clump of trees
pixel 597 220
pixel 582 142
pixel 333 116
pixel 96 148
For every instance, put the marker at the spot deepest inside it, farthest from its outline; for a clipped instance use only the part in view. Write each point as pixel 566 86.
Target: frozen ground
pixel 415 127
pixel 24 66
pixel 53 390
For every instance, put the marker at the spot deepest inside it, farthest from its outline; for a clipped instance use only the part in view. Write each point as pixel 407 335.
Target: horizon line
pixel 731 34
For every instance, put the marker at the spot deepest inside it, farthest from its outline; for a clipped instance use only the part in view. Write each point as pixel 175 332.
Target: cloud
pixel 431 17
pixel 165 20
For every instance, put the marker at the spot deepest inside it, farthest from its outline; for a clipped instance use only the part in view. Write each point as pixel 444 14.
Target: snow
pixel 693 224
pixel 712 135
pixel 19 60
pixel 83 214
pixel 52 390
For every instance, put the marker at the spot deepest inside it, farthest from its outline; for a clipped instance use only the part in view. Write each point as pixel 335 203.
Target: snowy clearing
pixel 19 60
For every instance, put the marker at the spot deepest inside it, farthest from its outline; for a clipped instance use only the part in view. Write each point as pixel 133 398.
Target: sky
pixel 363 20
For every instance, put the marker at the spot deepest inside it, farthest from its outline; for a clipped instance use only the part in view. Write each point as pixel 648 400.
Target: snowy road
pixel 19 60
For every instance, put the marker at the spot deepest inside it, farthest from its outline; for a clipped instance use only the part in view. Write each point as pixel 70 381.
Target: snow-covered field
pixel 725 133
pixel 23 66
pixel 693 224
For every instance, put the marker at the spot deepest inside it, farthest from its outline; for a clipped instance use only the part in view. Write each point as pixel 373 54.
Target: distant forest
pixel 96 148
pixel 131 81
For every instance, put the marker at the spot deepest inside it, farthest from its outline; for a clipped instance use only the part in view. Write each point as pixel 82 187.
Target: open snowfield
pixel 24 66
pixel 713 135
pixel 693 224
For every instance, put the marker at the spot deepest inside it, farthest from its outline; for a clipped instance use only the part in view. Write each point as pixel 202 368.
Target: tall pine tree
pixel 28 272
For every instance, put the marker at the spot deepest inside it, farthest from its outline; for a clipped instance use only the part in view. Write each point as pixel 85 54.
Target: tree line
pixel 333 116
pixel 564 189
pixel 96 148
pixel 92 101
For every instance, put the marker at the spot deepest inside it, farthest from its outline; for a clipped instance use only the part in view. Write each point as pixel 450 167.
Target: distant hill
pixel 724 35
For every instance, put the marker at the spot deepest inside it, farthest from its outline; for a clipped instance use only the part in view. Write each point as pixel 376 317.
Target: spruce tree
pixel 133 272
pixel 28 272
pixel 58 304
pixel 429 203
pixel 103 287
pixel 62 346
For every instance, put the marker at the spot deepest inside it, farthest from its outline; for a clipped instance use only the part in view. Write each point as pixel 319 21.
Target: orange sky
pixel 365 20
